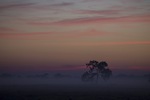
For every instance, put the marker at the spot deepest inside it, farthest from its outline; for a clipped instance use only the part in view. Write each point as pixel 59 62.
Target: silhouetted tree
pixel 95 70
pixel 106 73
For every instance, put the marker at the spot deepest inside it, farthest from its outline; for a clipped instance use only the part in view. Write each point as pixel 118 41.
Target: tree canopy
pixel 95 70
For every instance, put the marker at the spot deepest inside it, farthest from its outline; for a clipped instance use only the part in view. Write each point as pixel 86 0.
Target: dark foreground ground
pixel 74 92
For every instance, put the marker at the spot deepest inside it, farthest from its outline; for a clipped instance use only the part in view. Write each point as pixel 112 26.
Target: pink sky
pixel 61 34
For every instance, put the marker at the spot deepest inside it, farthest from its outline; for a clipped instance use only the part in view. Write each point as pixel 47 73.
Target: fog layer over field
pixel 74 78
pixel 67 85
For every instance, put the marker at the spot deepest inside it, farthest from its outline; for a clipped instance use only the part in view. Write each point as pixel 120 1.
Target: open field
pixel 74 92
pixel 72 88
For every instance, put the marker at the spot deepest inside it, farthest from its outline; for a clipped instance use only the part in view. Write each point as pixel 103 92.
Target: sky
pixel 66 34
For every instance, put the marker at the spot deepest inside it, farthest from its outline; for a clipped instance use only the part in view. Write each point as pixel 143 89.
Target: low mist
pixel 74 78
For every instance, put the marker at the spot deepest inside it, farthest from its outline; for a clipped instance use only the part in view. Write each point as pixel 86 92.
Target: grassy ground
pixel 74 92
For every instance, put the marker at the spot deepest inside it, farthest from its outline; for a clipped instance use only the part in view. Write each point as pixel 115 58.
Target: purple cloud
pixel 91 0
pixel 85 20
pixel 105 12
pixel 17 5
pixel 5 29
pixel 63 4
